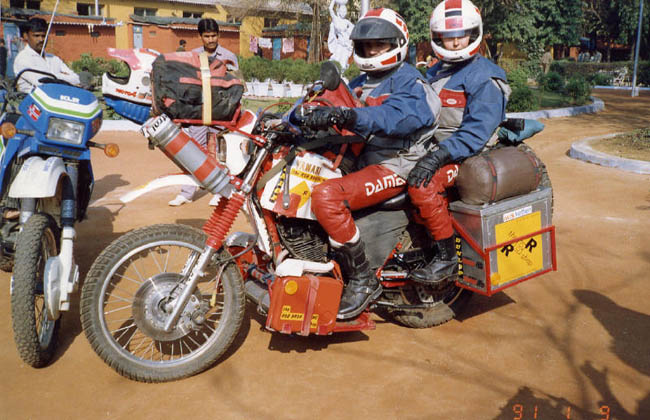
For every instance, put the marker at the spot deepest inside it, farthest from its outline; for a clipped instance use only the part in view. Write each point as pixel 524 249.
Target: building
pixel 92 27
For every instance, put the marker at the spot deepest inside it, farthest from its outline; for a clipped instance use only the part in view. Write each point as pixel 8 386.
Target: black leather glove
pixel 323 117
pixel 428 164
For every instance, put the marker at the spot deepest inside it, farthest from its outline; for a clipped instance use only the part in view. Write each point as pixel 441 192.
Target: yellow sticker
pixel 520 258
pixel 314 321
pixel 303 191
pixel 306 175
pixel 287 315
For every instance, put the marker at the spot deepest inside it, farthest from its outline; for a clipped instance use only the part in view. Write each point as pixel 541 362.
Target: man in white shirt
pixel 30 58
pixel 209 33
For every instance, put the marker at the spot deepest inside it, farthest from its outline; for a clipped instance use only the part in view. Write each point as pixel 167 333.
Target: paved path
pixel 571 344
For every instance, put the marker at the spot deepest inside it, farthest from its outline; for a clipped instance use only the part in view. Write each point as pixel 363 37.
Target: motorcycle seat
pixel 399 202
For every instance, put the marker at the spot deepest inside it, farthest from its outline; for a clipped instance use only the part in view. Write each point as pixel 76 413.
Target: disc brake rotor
pixel 151 309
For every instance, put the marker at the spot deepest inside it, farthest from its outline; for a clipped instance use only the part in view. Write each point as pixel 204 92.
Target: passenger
pixel 398 123
pixel 474 93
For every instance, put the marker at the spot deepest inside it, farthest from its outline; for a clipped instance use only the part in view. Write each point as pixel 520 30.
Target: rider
pixel 30 57
pixel 474 93
pixel 398 124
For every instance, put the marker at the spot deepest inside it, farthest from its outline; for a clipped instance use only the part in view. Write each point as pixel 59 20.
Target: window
pixel 192 14
pixel 25 4
pixel 86 9
pixel 144 11
pixel 270 23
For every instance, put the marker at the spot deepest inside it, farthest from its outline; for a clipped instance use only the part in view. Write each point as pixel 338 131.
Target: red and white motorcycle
pixel 164 302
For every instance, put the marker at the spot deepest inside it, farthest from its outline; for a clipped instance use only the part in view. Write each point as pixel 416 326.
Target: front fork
pixel 217 227
pixel 61 275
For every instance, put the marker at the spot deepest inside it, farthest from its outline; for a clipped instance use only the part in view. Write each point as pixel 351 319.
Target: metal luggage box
pixel 505 243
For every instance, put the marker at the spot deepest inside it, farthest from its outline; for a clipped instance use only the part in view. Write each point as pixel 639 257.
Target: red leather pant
pixel 432 203
pixel 334 200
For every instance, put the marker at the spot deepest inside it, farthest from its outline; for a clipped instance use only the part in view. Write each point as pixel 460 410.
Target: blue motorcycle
pixel 46 182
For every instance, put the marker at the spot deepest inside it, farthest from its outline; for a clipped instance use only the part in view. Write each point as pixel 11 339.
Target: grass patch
pixel 550 100
pixel 632 145
pixel 259 104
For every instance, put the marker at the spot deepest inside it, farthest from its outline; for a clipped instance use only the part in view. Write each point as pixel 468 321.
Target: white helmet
pixel 380 25
pixel 456 18
pixel 137 86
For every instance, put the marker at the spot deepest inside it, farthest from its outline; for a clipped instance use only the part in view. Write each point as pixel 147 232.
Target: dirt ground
pixel 572 344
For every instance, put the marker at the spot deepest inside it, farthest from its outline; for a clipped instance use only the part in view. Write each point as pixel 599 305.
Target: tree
pixel 615 21
pixel 532 24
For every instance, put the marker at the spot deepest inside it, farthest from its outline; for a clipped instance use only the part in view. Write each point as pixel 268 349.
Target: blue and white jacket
pixel 474 95
pixel 401 115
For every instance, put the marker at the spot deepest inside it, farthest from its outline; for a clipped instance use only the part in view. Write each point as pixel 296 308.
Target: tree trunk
pixel 315 44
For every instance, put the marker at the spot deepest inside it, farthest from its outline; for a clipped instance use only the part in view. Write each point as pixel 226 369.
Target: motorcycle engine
pixel 304 239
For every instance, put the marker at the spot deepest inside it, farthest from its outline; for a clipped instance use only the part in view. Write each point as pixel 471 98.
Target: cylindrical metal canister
pixel 187 154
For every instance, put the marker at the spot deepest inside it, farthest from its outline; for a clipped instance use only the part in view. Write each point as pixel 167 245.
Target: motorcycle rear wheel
pixel 444 305
pixel 35 335
pixel 122 305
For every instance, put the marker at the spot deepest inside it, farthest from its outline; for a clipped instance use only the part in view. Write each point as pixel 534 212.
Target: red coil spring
pixel 221 219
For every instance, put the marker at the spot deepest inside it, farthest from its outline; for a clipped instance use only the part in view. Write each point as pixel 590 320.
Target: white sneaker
pixel 214 201
pixel 179 201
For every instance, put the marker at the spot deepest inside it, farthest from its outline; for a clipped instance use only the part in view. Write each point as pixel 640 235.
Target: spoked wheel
pixel 430 305
pixel 436 305
pixel 34 333
pixel 129 293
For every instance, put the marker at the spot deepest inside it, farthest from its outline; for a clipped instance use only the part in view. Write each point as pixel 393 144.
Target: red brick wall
pixel 77 40
pixel 166 40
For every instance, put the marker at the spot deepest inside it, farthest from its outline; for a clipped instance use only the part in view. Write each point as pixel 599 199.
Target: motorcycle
pixel 46 182
pixel 164 302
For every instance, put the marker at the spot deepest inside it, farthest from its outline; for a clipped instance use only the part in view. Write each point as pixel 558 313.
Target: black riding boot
pixel 362 287
pixel 443 265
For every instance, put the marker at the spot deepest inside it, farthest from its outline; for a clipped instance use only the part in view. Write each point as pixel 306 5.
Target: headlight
pixel 65 130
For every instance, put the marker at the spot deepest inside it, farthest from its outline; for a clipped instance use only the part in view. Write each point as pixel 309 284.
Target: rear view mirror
pixel 330 75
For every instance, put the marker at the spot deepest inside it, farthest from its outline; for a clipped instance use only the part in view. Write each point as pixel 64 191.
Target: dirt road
pixel 571 344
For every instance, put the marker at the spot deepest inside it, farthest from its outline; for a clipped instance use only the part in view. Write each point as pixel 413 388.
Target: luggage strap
pixel 314 144
pixel 205 84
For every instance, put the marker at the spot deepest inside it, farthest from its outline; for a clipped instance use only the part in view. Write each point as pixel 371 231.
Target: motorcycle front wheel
pixel 128 294
pixel 34 333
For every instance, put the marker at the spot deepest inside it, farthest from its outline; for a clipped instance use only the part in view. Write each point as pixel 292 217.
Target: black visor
pixel 374 28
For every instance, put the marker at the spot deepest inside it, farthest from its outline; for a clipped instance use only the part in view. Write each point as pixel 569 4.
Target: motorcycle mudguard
pixel 164 181
pixel 38 178
pixel 236 156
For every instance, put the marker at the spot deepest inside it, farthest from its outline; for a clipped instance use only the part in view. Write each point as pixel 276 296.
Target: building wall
pixel 250 26
pixel 76 40
pixel 165 40
pixel 120 10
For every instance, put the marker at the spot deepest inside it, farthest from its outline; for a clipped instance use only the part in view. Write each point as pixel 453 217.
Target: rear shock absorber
pixel 222 219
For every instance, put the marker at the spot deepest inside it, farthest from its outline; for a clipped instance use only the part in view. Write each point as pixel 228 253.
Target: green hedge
pixel 98 65
pixel 588 70
pixel 522 99
pixel 579 89
pixel 293 70
pixel 552 82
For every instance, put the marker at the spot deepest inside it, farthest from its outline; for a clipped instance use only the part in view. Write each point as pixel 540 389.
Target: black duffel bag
pixel 178 88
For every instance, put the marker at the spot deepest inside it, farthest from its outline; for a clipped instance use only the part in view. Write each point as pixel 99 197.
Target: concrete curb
pixel 642 89
pixel 582 150
pixel 596 106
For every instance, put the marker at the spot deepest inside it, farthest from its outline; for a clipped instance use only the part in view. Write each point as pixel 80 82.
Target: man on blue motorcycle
pixel 30 58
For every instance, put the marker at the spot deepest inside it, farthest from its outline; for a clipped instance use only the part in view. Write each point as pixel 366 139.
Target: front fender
pixel 38 178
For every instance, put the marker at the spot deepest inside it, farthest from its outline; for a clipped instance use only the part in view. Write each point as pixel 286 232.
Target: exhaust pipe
pixel 259 294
